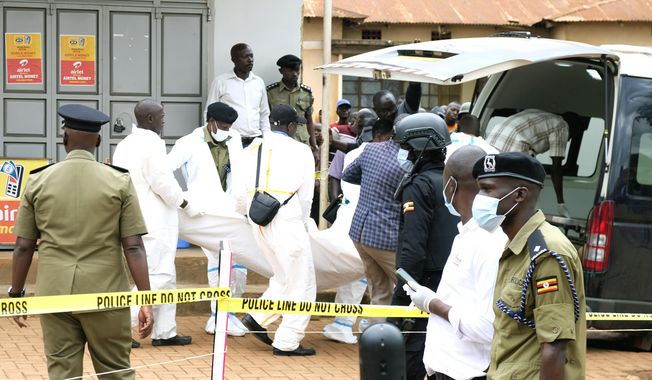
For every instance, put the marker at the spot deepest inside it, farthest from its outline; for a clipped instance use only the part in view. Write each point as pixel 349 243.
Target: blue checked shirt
pixel 376 219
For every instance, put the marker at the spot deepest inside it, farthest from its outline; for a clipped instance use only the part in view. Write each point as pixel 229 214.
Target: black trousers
pixel 247 140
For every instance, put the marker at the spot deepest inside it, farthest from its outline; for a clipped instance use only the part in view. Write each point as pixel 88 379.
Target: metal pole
pixel 325 116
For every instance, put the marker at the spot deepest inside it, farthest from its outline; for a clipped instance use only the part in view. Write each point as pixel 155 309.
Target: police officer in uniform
pixel 427 229
pixel 299 96
pixel 540 325
pixel 85 214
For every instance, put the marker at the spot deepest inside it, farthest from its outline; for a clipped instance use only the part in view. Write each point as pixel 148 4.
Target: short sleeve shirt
pixel 80 210
pixel 516 348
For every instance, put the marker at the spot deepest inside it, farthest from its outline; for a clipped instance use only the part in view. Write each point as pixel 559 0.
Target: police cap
pixel 283 114
pixel 289 60
pixel 82 118
pixel 510 164
pixel 221 112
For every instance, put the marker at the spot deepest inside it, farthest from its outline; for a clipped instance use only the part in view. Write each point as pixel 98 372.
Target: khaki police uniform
pixel 299 98
pixel 220 153
pixel 80 209
pixel 516 348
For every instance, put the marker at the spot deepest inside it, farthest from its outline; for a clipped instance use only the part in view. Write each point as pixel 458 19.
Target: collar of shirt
pixel 520 240
pixel 209 139
pixel 286 88
pixel 233 75
pixel 469 226
pixel 82 154
pixel 143 132
pixel 281 133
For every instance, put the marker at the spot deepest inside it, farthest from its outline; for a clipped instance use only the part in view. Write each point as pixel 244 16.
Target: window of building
pixel 371 34
pixel 440 35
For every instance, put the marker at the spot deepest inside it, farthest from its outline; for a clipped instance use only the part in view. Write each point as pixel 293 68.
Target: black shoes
pixel 135 343
pixel 177 340
pixel 300 351
pixel 259 331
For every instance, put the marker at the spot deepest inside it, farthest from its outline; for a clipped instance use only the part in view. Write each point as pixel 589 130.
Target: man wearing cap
pixel 286 171
pixel 540 325
pixel 245 92
pixel 343 125
pixel 297 95
pixel 143 153
pixel 210 161
pixel 85 215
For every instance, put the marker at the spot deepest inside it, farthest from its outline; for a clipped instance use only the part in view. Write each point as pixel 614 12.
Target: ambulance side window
pixel 640 180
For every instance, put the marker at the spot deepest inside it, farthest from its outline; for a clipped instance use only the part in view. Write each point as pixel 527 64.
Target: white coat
pixel 192 155
pixel 143 153
pixel 287 167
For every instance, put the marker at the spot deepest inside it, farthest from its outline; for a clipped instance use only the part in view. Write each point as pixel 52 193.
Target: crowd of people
pixel 422 191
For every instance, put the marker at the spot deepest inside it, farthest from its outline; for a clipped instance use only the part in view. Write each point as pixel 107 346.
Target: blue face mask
pixel 484 211
pixel 403 162
pixel 449 205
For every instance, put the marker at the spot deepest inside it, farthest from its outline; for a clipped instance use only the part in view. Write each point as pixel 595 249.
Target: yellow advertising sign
pixel 16 172
pixel 24 59
pixel 77 60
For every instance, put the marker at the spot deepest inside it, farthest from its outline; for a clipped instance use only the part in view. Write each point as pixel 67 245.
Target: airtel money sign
pixel 77 60
pixel 24 59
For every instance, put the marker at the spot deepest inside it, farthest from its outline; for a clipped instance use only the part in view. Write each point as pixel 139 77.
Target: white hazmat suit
pixel 286 170
pixel 143 153
pixel 191 154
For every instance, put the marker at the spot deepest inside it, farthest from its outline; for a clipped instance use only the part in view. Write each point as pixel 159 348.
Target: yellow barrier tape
pixel 104 301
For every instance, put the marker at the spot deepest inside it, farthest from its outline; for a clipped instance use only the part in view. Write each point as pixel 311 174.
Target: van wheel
pixel 642 341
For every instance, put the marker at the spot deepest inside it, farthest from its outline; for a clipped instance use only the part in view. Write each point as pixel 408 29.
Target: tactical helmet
pixel 422 132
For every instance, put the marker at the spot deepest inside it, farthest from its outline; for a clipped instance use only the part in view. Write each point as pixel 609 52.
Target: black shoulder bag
pixel 264 206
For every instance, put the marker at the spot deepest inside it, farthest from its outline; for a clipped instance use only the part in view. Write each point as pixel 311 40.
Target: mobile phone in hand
pixel 403 275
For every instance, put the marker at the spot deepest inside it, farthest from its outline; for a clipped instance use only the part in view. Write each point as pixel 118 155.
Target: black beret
pixel 289 60
pixel 221 112
pixel 283 114
pixel 82 118
pixel 510 164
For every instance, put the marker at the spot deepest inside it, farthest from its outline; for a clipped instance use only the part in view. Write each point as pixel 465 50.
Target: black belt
pixel 247 140
pixel 441 376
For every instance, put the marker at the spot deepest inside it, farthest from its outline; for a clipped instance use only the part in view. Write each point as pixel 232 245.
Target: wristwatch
pixel 15 295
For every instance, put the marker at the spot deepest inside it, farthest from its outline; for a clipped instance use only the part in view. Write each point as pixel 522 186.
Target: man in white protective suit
pixel 143 153
pixel 209 159
pixel 334 243
pixel 286 171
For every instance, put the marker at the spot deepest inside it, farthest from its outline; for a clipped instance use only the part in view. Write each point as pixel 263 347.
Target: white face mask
pixel 403 162
pixel 449 205
pixel 484 211
pixel 220 135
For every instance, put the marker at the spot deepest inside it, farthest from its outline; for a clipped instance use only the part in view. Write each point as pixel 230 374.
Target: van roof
pixel 460 60
pixel 634 60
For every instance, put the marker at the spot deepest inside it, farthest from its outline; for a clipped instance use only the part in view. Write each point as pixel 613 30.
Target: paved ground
pixel 21 357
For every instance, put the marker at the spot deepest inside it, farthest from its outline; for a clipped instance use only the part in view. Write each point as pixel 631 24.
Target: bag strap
pixel 260 149
pixel 288 199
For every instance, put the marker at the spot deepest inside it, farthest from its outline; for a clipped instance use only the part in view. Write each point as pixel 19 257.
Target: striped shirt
pixel 531 131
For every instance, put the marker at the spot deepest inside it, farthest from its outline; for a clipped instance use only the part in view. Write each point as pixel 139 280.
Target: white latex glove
pixel 241 205
pixel 562 210
pixel 191 211
pixel 421 296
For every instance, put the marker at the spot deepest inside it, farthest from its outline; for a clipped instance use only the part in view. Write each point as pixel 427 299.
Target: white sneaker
pixel 362 326
pixel 339 332
pixel 235 328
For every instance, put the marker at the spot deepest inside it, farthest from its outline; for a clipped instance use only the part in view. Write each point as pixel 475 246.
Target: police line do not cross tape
pixel 10 307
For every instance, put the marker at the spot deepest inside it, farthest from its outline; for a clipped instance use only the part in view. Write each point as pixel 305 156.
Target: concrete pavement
pixel 21 357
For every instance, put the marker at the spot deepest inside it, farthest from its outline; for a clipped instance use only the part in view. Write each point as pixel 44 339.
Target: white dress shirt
pixel 461 348
pixel 248 97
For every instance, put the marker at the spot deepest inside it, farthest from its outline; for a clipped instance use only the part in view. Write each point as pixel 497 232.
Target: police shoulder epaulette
pixel 38 170
pixel 307 88
pixel 273 85
pixel 121 170
pixel 536 244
